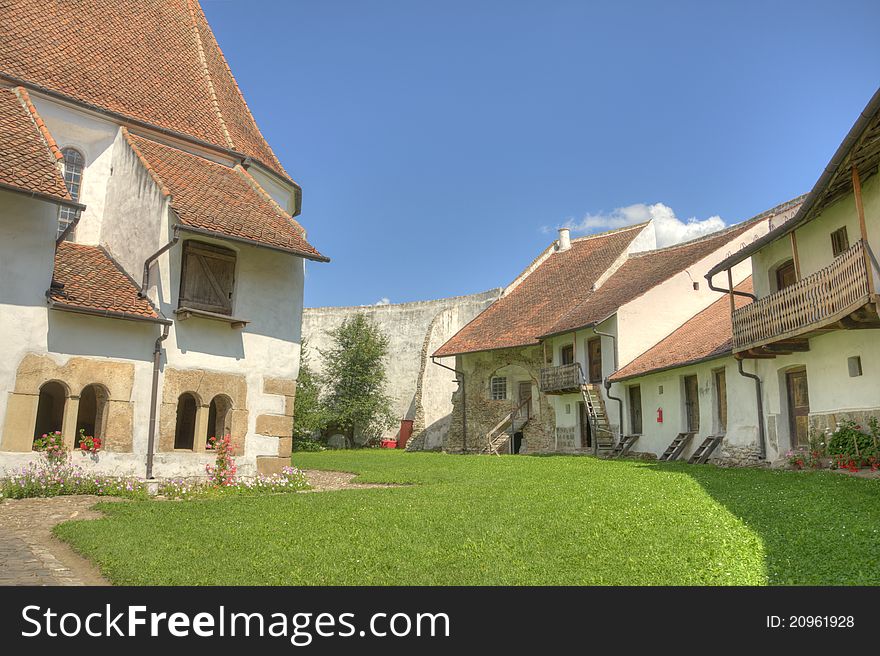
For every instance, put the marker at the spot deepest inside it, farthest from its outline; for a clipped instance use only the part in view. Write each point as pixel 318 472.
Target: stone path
pixel 31 555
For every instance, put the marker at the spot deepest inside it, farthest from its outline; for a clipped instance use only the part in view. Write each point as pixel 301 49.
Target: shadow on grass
pixel 818 528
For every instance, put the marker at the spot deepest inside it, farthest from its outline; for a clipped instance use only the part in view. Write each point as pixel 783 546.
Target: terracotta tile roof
pixel 92 280
pixel 28 157
pixel 220 199
pixel 704 336
pixel 641 272
pixel 530 309
pixel 154 62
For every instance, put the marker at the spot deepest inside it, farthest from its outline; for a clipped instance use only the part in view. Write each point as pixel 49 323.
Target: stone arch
pixel 219 417
pixel 93 411
pixel 52 401
pixel 188 405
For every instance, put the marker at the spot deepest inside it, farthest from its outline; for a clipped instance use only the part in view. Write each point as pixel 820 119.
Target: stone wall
pixel 483 413
pixel 421 391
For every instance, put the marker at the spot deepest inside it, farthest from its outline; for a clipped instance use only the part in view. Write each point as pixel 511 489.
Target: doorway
pixel 584 425
pixel 523 394
pixel 798 407
pixel 692 404
pixel 594 359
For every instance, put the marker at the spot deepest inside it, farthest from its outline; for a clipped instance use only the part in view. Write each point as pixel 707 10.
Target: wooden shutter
pixel 207 278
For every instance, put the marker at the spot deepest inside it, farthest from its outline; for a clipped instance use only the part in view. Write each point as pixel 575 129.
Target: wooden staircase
pixel 701 455
pixel 678 445
pixel 504 430
pixel 602 435
pixel 622 448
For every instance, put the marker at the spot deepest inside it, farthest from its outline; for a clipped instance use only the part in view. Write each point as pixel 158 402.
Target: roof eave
pixel 802 215
pixel 39 195
pixel 677 365
pixel 253 242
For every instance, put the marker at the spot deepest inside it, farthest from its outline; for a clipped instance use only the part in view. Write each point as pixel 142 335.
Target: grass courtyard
pixel 513 520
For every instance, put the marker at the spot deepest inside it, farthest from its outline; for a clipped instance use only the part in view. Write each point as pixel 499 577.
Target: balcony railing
pixel 814 302
pixel 565 378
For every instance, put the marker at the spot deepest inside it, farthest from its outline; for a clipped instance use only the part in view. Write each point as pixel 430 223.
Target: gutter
pixel 109 314
pixel 762 438
pixel 870 111
pixel 463 402
pixel 145 281
pixel 41 196
pixel 252 242
pixel 154 399
pixel 735 292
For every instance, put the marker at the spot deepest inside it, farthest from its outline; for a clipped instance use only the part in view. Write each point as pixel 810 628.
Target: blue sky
pixel 439 144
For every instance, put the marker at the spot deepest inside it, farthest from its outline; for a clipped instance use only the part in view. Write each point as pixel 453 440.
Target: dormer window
pixel 74 163
pixel 207 278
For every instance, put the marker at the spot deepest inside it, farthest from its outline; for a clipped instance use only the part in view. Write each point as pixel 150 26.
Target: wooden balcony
pixel 564 379
pixel 836 297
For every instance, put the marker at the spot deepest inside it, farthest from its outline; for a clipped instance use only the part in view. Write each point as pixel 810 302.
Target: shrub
pixel 51 445
pixel 850 447
pixel 88 443
pixel 222 472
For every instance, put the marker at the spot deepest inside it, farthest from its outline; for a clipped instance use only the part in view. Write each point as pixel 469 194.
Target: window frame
pixel 498 389
pixel 68 215
pixel 839 242
pixel 566 348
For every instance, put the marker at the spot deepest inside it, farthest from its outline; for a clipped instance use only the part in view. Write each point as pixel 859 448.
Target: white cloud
pixel 383 301
pixel 670 229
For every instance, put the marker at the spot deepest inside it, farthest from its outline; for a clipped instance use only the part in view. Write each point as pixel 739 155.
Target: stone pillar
pixel 21 418
pixel 68 423
pixel 200 438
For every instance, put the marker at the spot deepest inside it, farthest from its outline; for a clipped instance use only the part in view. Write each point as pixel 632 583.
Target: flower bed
pixel 48 478
pixel 289 480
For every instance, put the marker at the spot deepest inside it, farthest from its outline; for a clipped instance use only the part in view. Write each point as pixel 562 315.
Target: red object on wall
pixel 659 415
pixel 405 433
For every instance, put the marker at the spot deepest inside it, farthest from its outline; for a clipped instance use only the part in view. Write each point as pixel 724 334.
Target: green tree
pixel 309 414
pixel 354 379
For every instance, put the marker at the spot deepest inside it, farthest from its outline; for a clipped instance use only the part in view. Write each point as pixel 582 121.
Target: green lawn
pixel 511 520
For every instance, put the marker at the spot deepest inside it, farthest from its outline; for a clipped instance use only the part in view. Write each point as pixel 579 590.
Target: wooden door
pixel 635 410
pixel 594 357
pixel 584 424
pixel 798 407
pixel 721 400
pixel 524 391
pixel 786 275
pixel 692 404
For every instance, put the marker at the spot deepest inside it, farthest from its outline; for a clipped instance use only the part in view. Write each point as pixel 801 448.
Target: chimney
pixel 564 242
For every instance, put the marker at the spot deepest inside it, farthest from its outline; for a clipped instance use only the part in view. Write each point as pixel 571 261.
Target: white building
pixel 151 270
pixel 810 334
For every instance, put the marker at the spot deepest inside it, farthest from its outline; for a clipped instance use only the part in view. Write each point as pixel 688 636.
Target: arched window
pixel 91 417
pixel 185 432
pixel 50 408
pixel 219 417
pixel 74 163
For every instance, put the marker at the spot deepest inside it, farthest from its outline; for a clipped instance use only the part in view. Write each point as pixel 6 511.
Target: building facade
pixel 152 268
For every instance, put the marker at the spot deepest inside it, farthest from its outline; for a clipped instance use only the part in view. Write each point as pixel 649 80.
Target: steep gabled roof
pixel 155 62
pixel 221 200
pixel 86 278
pixel 644 271
pixel 531 307
pixel 704 336
pixel 28 155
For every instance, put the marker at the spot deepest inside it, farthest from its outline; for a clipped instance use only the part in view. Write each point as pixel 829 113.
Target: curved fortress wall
pixel 421 390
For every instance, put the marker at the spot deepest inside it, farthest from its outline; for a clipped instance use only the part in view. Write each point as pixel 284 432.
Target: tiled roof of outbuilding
pixel 92 280
pixel 704 336
pixel 154 62
pixel 28 155
pixel 219 199
pixel 520 316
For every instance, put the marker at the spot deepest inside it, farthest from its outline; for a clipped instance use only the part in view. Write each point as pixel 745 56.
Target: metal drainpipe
pixel 463 403
pixel 762 440
pixel 608 382
pixel 175 231
pixel 154 398
pixel 736 292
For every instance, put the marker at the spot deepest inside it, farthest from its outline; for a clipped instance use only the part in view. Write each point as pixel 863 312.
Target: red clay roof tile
pixel 92 280
pixel 704 336
pixel 27 162
pixel 530 309
pixel 220 199
pixel 154 62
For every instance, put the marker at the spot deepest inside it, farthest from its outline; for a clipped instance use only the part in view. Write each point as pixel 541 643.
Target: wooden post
pixel 863 228
pixel 794 254
pixel 730 294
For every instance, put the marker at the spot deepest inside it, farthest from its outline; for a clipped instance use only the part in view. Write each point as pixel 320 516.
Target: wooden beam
pixel 730 292
pixel 857 191
pixel 794 254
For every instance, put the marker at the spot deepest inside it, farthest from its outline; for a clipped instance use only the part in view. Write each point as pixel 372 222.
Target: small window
pixel 839 241
pixel 566 354
pixel 498 387
pixel 74 163
pixel 854 364
pixel 635 410
pixel 785 275
pixel 207 277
